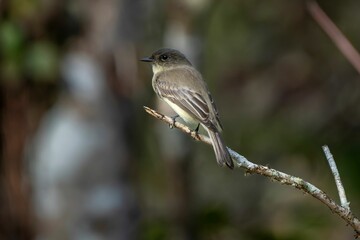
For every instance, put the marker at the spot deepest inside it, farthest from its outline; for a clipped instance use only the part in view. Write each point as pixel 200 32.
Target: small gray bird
pixel 180 85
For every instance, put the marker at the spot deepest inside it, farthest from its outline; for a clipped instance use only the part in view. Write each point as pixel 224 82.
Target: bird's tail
pixel 221 153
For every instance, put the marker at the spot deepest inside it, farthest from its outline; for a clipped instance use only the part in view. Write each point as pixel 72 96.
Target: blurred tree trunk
pixel 15 218
pixel 110 31
pixel 97 192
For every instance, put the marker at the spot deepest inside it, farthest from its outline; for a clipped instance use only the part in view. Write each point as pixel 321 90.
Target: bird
pixel 176 81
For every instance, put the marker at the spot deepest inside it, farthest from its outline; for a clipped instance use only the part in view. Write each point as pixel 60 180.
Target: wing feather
pixel 187 99
pixel 198 104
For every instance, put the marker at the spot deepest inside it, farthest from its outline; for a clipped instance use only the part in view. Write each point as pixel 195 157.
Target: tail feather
pixel 221 153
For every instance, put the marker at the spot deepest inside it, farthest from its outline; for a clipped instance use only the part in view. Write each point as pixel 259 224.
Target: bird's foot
pixel 171 125
pixel 196 130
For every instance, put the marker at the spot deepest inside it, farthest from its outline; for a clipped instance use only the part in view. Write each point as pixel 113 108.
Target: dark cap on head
pixel 167 56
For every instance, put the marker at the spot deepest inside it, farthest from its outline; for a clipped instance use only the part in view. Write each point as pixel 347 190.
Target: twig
pixel 336 174
pixel 343 44
pixel 272 174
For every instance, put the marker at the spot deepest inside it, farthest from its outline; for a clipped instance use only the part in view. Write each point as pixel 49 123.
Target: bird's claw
pixel 196 130
pixel 171 125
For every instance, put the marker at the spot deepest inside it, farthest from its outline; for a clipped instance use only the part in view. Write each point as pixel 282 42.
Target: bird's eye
pixel 163 57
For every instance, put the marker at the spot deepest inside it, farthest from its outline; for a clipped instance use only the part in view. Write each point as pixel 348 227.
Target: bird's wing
pixel 189 100
pixel 216 111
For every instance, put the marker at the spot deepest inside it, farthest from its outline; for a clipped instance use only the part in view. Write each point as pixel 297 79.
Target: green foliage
pixel 41 61
pixel 11 39
pixel 11 43
pixel 155 230
pixel 37 60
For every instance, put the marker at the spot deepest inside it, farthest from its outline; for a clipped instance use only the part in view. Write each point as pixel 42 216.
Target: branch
pixel 336 174
pixel 272 174
pixel 334 33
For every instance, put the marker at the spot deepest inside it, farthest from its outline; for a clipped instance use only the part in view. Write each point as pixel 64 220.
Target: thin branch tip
pixel 335 172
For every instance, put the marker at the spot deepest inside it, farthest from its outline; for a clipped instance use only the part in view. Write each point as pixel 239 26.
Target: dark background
pixel 80 159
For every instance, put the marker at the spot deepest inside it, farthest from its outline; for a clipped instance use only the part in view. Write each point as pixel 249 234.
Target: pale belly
pixel 184 115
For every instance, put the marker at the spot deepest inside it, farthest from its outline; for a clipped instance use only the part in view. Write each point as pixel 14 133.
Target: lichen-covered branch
pixel 340 187
pixel 275 175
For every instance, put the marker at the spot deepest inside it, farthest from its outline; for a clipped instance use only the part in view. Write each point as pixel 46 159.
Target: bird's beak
pixel 147 59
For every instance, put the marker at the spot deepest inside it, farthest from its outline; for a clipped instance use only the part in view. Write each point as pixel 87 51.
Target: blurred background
pixel 80 159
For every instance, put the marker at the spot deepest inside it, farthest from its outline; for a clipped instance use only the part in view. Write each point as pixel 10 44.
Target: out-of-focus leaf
pixel 155 230
pixel 11 39
pixel 41 61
